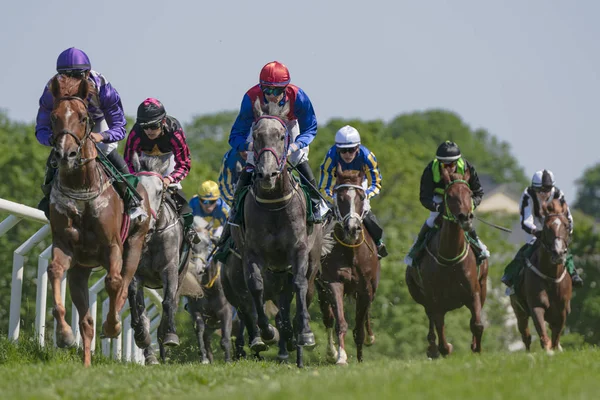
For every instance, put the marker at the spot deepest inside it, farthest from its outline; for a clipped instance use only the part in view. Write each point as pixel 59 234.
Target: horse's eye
pixel 282 137
pixel 53 118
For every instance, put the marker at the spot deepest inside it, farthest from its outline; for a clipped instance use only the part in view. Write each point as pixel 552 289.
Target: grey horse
pixel 160 265
pixel 276 239
pixel 207 303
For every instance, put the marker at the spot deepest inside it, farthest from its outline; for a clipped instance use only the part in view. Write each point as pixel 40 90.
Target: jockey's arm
pixel 569 216
pixel 181 153
pixel 242 125
pixel 132 146
pixel 526 212
pixel 226 184
pixel 373 174
pixel 43 128
pixel 327 178
pixel 110 104
pixel 475 186
pixel 426 192
pixel 307 120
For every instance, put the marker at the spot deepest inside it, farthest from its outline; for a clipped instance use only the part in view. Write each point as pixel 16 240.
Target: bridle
pixel 547 247
pixel 80 142
pixel 447 213
pixel 280 160
pixel 352 214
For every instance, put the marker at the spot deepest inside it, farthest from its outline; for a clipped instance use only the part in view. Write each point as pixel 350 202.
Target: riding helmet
pixel 447 152
pixel 73 59
pixel 543 179
pixel 347 136
pixel 274 74
pixel 151 110
pixel 209 190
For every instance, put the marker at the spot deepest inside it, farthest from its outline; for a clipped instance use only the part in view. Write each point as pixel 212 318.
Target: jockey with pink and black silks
pixel 105 108
pixel 157 134
pixel 274 86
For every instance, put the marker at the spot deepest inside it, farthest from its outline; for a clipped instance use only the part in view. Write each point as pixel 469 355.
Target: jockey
pixel 231 167
pixel 542 189
pixel 105 109
pixel 209 205
pixel 157 134
pixel 432 189
pixel 351 155
pixel 275 87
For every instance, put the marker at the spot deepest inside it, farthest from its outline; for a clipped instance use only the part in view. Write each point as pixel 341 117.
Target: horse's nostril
pixel 73 154
pixel 260 175
pixel 274 174
pixel 471 216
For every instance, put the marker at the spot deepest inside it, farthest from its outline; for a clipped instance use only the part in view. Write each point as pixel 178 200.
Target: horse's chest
pixel 75 209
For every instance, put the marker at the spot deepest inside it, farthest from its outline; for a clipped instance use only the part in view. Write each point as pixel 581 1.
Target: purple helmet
pixel 73 59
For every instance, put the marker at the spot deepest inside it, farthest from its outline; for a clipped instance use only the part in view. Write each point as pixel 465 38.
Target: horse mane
pixel 65 86
pixel 273 109
pixel 347 176
pixel 328 240
pixel 153 164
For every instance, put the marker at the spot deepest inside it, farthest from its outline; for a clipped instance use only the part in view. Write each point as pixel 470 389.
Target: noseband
pixel 80 142
pixel 280 161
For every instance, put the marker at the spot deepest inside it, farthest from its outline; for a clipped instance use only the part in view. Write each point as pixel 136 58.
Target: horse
pixel 448 276
pixel 87 220
pixel 350 268
pixel 163 264
pixel 207 303
pixel 546 288
pixel 276 235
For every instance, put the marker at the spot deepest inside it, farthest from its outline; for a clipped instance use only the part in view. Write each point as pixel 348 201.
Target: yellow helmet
pixel 209 190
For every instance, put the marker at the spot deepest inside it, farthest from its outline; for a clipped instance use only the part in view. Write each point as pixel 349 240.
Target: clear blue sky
pixel 527 71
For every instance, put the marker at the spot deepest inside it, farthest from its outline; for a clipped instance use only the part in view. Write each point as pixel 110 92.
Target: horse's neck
pixel 452 240
pixel 86 177
pixel 167 214
pixel 545 264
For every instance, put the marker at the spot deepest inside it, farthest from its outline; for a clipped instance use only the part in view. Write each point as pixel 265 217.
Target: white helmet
pixel 544 178
pixel 347 136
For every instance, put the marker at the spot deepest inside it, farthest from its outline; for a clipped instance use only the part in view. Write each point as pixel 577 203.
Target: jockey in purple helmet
pixel 105 109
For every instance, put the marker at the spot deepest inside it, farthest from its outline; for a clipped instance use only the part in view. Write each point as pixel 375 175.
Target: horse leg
pixel 557 328
pixel 370 339
pixel 194 309
pixel 226 316
pixel 540 325
pixel 114 287
pixel 299 269
pixel 476 324
pixel 238 328
pixel 149 356
pixel 363 302
pixel 168 335
pixel 78 287
pixel 341 326
pixel 432 350
pixel 522 322
pixel 139 320
pixel 56 270
pixel 328 321
pixel 287 342
pixel 444 347
pixel 256 286
pixel 209 354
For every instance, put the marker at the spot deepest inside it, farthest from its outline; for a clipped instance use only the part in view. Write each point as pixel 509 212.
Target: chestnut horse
pixel 545 292
pixel 351 268
pixel 86 218
pixel 448 277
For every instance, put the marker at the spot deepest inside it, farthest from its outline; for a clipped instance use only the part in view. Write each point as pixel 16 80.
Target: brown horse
pixel 545 292
pixel 351 268
pixel 448 277
pixel 86 218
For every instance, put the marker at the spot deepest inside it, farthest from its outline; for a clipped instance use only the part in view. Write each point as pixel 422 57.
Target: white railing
pixel 123 347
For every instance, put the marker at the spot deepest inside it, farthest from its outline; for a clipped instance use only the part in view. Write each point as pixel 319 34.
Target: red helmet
pixel 274 74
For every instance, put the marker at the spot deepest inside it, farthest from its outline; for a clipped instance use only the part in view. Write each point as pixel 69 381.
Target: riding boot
pixel 319 207
pixel 408 260
pixel 570 265
pixel 244 180
pixel 186 214
pixel 132 204
pixel 44 204
pixel 485 253
pixel 376 232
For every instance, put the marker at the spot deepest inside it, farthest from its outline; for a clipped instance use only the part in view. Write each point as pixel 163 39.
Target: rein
pixel 280 161
pixel 342 219
pixel 447 214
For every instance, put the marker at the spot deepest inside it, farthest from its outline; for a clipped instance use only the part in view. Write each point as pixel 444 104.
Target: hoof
pixel 151 360
pixel 66 340
pixel 240 355
pixel 171 340
pixel 332 357
pixel 370 340
pixel 342 363
pixel 143 341
pixel 205 361
pixel 258 345
pixel 306 340
pixel 111 331
pixel 283 358
pixel 272 337
pixel 433 353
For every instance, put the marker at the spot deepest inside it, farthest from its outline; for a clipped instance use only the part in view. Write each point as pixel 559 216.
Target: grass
pixel 29 372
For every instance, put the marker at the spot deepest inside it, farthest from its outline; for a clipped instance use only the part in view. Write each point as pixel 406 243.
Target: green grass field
pixel 27 372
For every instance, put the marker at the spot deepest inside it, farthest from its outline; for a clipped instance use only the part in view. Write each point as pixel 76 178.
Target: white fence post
pixel 42 295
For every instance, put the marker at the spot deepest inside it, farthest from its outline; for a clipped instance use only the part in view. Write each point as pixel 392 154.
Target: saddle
pixel 420 252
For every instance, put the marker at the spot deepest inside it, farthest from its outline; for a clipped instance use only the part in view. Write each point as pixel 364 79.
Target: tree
pixel 588 192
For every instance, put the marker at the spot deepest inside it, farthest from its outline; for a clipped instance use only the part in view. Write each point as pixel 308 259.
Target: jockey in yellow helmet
pixel 209 205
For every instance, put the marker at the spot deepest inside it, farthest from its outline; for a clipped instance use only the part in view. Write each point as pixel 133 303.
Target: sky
pixel 525 71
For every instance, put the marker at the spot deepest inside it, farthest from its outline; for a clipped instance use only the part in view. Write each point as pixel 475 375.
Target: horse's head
pixel 71 123
pixel 349 200
pixel 150 171
pixel 271 142
pixel 202 249
pixel 458 201
pixel 556 232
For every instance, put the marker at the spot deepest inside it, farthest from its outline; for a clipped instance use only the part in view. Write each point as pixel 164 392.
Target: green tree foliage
pixel 588 193
pixel 403 148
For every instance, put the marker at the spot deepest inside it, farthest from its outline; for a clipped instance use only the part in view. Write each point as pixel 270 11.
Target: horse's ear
pixel 55 87
pixel 467 174
pixel 84 89
pixel 135 160
pixel 258 111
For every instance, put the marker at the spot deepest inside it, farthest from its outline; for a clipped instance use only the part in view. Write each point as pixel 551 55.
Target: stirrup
pixel 137 212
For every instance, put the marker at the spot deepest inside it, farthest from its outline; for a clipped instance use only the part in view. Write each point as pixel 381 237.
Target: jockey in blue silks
pixel 234 162
pixel 350 154
pixel 209 205
pixel 104 107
